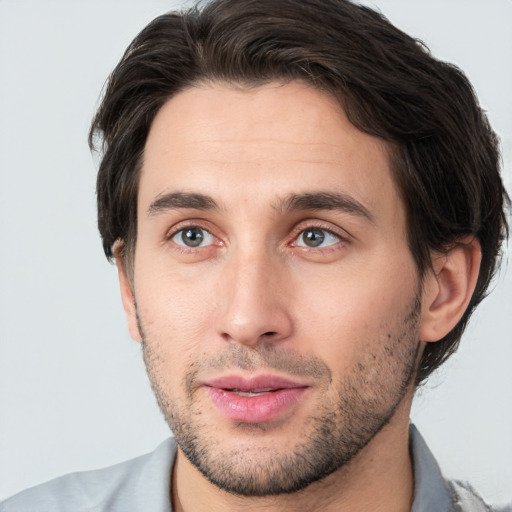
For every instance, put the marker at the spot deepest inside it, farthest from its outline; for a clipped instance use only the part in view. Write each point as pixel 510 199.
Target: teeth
pixel 256 392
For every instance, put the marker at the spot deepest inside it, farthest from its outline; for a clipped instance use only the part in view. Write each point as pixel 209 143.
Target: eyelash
pixel 343 238
pixel 180 228
pixel 296 233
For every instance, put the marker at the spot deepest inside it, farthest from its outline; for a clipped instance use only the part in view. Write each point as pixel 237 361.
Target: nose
pixel 252 302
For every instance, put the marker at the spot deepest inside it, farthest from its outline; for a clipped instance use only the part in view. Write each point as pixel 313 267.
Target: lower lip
pixel 255 409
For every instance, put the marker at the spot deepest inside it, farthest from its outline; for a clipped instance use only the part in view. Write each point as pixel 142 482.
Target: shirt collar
pixel 431 491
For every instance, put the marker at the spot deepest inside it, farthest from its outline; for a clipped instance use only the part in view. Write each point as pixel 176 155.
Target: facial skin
pixel 271 253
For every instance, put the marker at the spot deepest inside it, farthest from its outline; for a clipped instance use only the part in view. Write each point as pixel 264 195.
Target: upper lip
pixel 256 383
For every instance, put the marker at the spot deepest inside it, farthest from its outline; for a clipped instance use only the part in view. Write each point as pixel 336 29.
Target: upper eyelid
pixel 343 234
pixel 174 234
pixel 185 224
pixel 296 230
pixel 338 240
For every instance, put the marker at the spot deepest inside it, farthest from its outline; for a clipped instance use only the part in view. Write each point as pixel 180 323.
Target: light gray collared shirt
pixel 142 485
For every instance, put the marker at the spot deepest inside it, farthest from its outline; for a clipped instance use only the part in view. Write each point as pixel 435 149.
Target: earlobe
pixel 449 288
pixel 127 295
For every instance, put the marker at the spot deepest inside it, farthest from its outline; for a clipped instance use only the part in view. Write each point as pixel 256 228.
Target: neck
pixel 379 478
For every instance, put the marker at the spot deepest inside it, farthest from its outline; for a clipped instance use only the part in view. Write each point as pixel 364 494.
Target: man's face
pixel 277 301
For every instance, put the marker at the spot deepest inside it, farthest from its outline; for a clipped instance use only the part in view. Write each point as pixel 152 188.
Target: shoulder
pixel 466 499
pixel 122 487
pixel 434 492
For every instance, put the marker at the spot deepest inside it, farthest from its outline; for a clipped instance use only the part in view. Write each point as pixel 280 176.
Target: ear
pixel 448 288
pixel 127 295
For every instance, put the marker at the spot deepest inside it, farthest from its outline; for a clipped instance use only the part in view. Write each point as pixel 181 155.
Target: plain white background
pixel 73 391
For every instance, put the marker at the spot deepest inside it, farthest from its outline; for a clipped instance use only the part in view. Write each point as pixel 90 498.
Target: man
pixel 304 208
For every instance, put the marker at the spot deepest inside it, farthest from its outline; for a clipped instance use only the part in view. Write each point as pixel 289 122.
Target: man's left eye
pixel 193 237
pixel 316 237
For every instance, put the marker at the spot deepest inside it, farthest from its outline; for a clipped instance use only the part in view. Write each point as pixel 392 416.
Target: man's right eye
pixel 193 236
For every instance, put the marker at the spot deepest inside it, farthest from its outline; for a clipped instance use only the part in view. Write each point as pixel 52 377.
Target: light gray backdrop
pixel 73 392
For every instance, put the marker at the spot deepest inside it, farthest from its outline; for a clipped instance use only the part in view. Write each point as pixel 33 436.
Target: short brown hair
pixel 446 157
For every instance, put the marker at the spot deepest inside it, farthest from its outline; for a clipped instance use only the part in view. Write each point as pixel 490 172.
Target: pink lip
pixel 274 396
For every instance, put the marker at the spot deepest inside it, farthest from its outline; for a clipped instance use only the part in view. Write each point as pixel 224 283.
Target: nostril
pixel 269 333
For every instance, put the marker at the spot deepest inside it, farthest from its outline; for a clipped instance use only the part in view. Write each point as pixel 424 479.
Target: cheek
pixel 349 310
pixel 175 313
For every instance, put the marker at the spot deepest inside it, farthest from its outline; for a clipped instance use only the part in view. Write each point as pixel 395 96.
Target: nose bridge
pixel 251 305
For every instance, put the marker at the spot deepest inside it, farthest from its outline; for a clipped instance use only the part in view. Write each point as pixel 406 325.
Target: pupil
pixel 313 237
pixel 192 237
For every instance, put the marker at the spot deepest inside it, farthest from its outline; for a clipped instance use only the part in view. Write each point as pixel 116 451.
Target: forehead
pixel 236 143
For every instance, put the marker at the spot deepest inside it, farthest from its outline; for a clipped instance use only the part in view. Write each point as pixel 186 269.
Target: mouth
pixel 254 392
pixel 255 400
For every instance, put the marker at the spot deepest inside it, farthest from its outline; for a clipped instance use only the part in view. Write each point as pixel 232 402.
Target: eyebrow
pixel 325 201
pixel 293 202
pixel 178 200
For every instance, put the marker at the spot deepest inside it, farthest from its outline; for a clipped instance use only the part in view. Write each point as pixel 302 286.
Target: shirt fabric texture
pixel 143 485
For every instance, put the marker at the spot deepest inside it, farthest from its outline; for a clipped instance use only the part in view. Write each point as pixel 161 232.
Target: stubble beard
pixel 339 430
